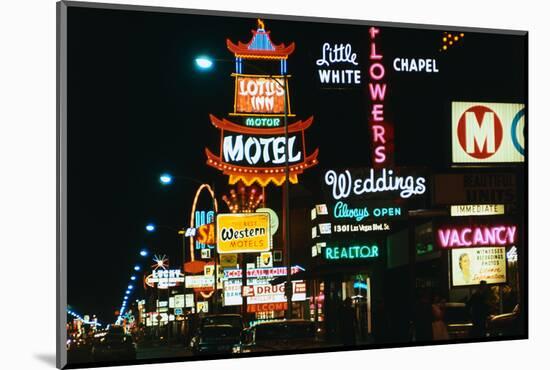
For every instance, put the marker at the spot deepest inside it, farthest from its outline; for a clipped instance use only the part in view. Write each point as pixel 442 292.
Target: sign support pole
pixel 286 196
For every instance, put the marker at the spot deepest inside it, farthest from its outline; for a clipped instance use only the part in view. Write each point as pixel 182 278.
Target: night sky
pixel 137 107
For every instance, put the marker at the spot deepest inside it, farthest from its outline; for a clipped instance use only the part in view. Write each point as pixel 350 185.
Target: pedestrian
pixel 479 309
pixel 439 328
pixel 348 323
pixel 381 323
pixel 423 327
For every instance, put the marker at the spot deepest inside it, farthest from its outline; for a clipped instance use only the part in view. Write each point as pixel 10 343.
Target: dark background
pixel 137 107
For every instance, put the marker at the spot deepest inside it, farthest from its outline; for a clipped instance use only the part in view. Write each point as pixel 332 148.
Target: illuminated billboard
pixel 243 233
pixel 260 94
pixel 472 265
pixel 488 132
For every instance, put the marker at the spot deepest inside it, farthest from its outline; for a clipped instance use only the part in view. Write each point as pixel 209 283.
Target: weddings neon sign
pixel 344 184
pixel 477 236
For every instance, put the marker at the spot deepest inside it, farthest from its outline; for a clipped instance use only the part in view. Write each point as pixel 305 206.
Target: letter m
pixel 233 152
pixel 480 133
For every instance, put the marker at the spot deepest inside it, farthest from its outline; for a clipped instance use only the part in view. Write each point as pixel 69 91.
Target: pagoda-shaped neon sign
pixel 252 141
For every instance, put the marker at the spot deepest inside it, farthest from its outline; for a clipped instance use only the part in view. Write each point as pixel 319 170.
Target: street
pixel 151 351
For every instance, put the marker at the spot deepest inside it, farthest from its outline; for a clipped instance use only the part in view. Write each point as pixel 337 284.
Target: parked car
pixel 114 344
pixel 279 336
pixel 215 339
pixel 217 334
pixel 234 320
pixel 505 324
pixel 458 320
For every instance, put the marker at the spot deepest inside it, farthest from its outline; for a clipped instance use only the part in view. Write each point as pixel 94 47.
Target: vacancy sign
pixel 488 132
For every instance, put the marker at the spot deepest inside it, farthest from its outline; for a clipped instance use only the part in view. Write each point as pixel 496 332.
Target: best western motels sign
pixel 243 232
pixel 488 132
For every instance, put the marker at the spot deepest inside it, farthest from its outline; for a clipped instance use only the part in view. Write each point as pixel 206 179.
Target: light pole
pixel 206 63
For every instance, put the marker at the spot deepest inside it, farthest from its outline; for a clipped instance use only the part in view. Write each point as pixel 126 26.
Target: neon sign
pixel 344 184
pixel 262 121
pixel 203 218
pixel 381 131
pixel 254 150
pixel 343 210
pixel 477 236
pixel 338 53
pixel 415 65
pixel 264 151
pixel 256 94
pixel 192 230
pixel 349 253
pixel 260 272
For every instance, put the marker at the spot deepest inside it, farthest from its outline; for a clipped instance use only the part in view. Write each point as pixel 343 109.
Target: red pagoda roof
pixel 260 46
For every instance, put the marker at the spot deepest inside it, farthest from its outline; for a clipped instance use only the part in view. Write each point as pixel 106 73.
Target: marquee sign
pixel 164 279
pixel 255 150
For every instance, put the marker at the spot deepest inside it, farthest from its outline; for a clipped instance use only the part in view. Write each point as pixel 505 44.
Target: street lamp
pixel 165 179
pixel 137 268
pixel 205 63
pixel 143 253
pixel 150 227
